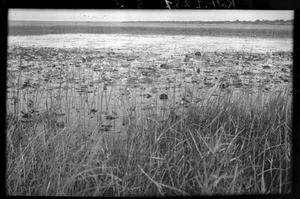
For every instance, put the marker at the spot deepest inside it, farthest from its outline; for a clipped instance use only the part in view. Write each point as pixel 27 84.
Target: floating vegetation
pixel 197 53
pixel 266 67
pixel 163 96
pixel 110 117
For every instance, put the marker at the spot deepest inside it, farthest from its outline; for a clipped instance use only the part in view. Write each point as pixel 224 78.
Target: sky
pixel 147 15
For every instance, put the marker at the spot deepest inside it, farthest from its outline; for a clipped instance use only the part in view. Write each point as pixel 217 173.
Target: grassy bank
pixel 200 30
pixel 227 146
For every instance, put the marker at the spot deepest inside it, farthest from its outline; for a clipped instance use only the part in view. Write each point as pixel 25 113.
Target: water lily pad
pixel 163 96
pixel 197 53
pixel 110 117
pixel 266 67
pixel 148 95
pixel 165 66
pixel 247 73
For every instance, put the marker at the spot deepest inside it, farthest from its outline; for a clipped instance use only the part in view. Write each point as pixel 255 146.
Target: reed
pixel 229 146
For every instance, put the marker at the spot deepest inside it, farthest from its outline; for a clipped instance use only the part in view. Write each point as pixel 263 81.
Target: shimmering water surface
pixel 97 77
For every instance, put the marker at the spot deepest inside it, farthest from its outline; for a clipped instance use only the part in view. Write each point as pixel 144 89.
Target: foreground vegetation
pixel 226 146
pixel 116 123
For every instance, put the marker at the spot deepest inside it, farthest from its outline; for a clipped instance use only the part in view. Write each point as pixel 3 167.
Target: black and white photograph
pixel 110 102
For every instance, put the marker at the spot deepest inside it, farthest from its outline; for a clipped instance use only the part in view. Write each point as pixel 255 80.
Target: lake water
pixel 150 51
pixel 171 44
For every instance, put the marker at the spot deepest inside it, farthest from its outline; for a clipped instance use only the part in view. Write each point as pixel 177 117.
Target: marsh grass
pixel 225 146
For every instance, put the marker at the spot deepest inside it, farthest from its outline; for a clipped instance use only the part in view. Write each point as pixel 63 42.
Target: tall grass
pixel 227 146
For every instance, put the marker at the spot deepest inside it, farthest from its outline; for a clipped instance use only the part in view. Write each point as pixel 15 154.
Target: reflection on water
pixel 153 43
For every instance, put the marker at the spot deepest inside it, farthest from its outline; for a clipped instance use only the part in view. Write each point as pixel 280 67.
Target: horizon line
pixel 152 21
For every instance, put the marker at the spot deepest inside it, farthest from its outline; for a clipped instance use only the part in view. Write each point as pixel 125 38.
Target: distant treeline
pixel 270 22
pixel 199 31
